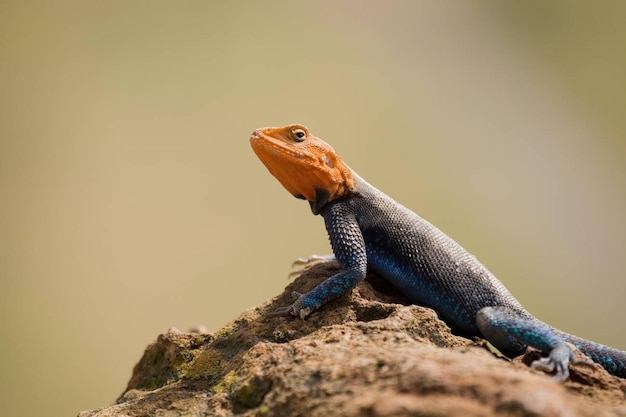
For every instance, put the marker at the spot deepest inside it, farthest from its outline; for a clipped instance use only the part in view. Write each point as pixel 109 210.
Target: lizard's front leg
pixel 349 248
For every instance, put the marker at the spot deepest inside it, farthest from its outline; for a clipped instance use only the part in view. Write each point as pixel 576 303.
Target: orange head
pixel 305 165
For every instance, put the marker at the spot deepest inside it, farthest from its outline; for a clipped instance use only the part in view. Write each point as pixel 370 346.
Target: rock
pixel 368 353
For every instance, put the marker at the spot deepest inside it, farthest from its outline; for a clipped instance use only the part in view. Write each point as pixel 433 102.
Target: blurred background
pixel 131 202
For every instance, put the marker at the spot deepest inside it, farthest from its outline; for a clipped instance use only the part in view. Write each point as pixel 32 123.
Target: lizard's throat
pixel 318 179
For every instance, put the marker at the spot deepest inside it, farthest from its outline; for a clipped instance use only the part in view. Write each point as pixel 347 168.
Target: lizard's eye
pixel 298 135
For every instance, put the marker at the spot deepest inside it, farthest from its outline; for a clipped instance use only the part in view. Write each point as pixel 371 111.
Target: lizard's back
pixel 424 263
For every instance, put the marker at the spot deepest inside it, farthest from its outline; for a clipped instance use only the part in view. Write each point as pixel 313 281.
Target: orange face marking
pixel 303 163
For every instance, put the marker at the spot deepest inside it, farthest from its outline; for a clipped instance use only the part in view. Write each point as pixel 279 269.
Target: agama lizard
pixel 368 229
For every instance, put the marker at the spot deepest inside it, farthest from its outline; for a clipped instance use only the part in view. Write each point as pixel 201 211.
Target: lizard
pixel 369 230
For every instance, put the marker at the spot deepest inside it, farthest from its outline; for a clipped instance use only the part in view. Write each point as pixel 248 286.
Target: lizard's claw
pixel 302 264
pixel 557 361
pixel 297 309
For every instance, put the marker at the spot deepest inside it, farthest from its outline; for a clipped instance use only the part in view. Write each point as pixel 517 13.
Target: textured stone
pixel 369 353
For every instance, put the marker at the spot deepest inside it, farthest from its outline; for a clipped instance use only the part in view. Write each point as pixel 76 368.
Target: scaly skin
pixel 368 229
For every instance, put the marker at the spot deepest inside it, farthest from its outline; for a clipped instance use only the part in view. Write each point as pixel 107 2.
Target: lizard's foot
pixel 557 361
pixel 297 309
pixel 302 264
pixel 505 328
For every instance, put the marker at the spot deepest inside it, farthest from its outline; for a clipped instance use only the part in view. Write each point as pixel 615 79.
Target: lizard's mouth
pixel 274 151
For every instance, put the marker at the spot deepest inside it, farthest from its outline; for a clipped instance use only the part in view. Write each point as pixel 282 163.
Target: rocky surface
pixel 368 353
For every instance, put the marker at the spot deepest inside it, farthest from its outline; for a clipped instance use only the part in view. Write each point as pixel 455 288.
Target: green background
pixel 131 202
